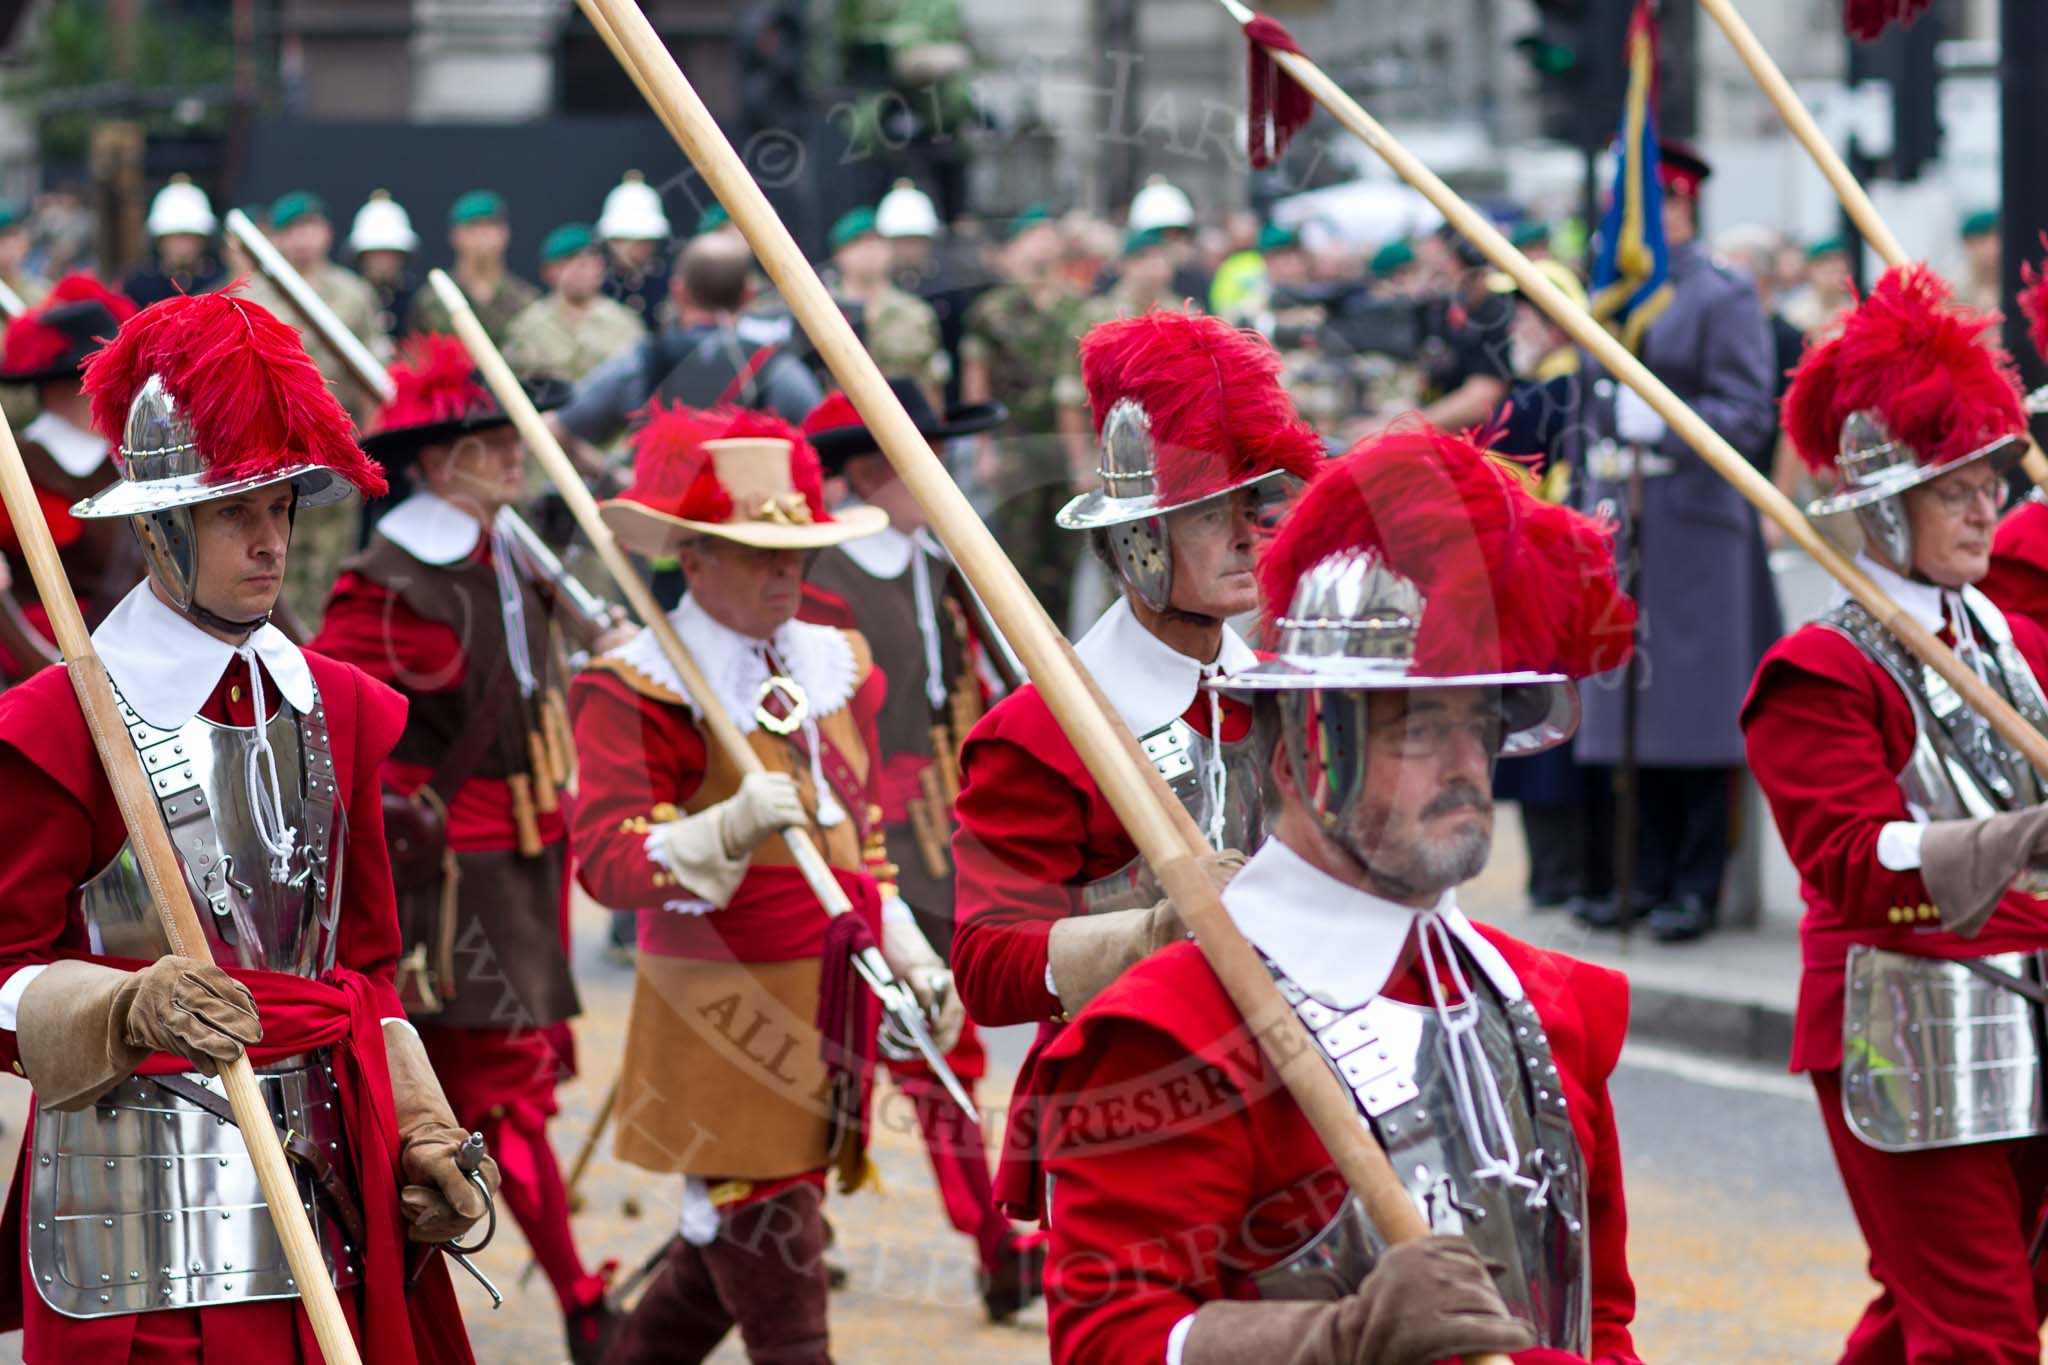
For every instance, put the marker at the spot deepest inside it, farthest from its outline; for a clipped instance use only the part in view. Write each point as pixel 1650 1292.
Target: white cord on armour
pixel 512 607
pixel 266 808
pixel 1462 1036
pixel 927 623
pixel 830 812
pixel 1214 775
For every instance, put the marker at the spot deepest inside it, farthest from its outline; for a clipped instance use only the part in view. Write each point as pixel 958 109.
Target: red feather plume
pixel 2033 301
pixel 30 343
pixel 433 381
pixel 242 377
pixel 1868 19
pixel 673 473
pixel 1509 582
pixel 1219 414
pixel 1930 367
pixel 834 411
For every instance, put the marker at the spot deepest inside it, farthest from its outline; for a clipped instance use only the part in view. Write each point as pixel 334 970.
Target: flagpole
pixel 1855 199
pixel 1710 445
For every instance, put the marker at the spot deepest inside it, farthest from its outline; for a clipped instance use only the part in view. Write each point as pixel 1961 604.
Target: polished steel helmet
pixel 1349 632
pixel 163 476
pixel 1126 505
pixel 1876 467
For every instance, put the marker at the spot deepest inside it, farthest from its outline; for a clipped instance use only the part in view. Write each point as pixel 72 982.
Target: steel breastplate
pixel 1394 1058
pixel 1182 755
pixel 1959 767
pixel 145 1201
pixel 197 773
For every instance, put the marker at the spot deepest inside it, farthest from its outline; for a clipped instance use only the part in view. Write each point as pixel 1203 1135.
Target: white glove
pixel 765 804
pixel 1635 421
pixel 918 967
pixel 708 853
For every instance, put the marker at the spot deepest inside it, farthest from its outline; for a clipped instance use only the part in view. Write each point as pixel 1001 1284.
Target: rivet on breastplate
pixel 1521 1030
pixel 106 1278
pixel 167 1163
pixel 1392 1128
pixel 223 1161
pixel 225 1215
pixel 49 1279
pixel 168 1217
pixel 46 1161
pixel 106 1298
pixel 106 1222
pixel 110 1165
pixel 134 1274
pixel 197 1268
pixel 42 1227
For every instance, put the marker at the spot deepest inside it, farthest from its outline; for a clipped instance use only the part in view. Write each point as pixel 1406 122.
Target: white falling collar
pixel 431 529
pixel 1922 601
pixel 886 553
pixel 1148 681
pixel 816 658
pixel 166 667
pixel 78 452
pixel 1337 942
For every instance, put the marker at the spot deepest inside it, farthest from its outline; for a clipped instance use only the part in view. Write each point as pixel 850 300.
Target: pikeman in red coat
pixel 929 637
pixel 444 606
pixel 740 986
pixel 1191 424
pixel 138 1228
pixel 47 347
pixel 1917 831
pixel 1431 615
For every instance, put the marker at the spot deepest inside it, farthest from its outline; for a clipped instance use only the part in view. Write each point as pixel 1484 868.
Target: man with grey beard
pixel 1432 616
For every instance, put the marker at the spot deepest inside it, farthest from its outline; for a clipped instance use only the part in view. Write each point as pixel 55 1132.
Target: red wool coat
pixel 1033 830
pixel 51 781
pixel 1179 1167
pixel 1827 732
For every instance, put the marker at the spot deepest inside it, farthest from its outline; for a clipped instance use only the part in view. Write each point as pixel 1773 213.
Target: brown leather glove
pixel 1426 1301
pixel 439 1202
pixel 1087 952
pixel 83 1027
pixel 1969 864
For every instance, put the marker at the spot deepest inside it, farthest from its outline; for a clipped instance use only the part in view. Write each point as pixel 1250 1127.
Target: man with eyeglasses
pixel 1919 833
pixel 1432 616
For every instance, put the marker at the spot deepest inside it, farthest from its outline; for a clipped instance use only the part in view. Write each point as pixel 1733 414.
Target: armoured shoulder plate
pixel 198 775
pixel 1959 767
pixel 1395 1060
pixel 1184 758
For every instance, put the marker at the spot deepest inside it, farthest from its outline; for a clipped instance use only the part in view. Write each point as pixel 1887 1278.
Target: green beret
pixel 1273 237
pixel 290 208
pixel 1393 256
pixel 1979 223
pixel 1031 217
pixel 477 206
pixel 712 219
pixel 12 214
pixel 567 240
pixel 859 222
pixel 1826 246
pixel 1531 233
pixel 1144 239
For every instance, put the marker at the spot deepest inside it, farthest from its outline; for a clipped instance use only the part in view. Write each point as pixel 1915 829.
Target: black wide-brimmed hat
pixel 53 342
pixel 437 398
pixel 838 433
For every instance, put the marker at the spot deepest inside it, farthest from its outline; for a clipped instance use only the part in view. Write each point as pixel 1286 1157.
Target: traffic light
pixel 1576 51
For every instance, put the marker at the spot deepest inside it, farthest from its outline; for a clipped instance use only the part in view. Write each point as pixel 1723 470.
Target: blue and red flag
pixel 1631 274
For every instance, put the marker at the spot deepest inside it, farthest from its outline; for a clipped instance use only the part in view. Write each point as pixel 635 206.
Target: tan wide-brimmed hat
pixel 724 475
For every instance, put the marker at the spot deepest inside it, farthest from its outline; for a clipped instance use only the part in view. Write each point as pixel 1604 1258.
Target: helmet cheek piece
pixel 1143 556
pixel 1884 525
pixel 1325 734
pixel 170 550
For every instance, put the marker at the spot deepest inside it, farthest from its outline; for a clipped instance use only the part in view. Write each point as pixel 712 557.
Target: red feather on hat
pixel 2033 301
pixel 433 381
pixel 834 410
pixel 1510 583
pixel 673 473
pixel 30 344
pixel 1212 391
pixel 1868 19
pixel 242 377
pixel 1930 367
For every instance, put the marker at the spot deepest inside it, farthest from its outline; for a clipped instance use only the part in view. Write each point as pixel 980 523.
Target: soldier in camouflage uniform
pixel 299 226
pixel 1019 351
pixel 1144 281
pixel 478 231
pixel 573 328
pixel 901 331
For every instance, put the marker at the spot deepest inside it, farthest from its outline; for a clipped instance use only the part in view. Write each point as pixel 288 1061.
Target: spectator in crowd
pixel 901 330
pixel 1980 286
pixel 573 328
pixel 15 241
pixel 479 232
pixel 182 261
pixel 383 242
pixel 636 234
pixel 1825 290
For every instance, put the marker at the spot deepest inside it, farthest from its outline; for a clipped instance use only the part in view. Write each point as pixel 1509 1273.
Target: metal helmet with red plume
pixel 1912 386
pixel 1187 408
pixel 1418 561
pixel 210 396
